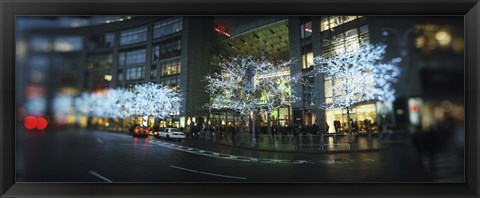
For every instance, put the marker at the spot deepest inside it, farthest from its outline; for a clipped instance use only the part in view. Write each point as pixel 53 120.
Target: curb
pixel 282 151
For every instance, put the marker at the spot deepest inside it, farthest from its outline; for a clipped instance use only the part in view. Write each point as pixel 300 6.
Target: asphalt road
pixel 80 155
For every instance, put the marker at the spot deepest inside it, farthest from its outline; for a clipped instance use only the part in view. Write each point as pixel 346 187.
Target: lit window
pixel 307 57
pixel 67 44
pixel 171 67
pixel 348 41
pixel 330 22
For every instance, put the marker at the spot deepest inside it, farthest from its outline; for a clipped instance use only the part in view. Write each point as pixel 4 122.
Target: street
pixel 82 155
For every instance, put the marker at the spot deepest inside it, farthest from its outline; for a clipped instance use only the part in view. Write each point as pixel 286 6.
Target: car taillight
pixel 174 133
pixel 146 130
pixel 136 130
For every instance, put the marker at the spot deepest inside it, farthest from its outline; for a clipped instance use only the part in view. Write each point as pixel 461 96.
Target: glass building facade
pixel 180 51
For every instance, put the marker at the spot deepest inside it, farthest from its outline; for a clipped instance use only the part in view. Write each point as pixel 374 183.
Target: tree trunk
pixel 269 126
pixel 349 126
pixel 254 138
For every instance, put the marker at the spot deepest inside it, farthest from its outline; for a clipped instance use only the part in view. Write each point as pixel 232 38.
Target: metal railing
pixel 301 142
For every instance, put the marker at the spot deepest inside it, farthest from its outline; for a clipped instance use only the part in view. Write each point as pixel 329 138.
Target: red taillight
pixel 146 130
pixel 30 122
pixel 136 130
pixel 42 123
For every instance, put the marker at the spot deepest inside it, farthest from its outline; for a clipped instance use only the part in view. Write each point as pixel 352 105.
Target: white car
pixel 171 133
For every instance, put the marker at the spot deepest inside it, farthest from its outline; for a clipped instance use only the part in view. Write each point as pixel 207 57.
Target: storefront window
pixel 364 116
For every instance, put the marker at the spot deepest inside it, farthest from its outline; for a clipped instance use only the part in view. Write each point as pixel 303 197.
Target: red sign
pixel 220 28
pixel 414 108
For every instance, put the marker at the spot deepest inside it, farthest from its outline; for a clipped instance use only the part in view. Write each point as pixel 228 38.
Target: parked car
pixel 170 133
pixel 131 128
pixel 140 131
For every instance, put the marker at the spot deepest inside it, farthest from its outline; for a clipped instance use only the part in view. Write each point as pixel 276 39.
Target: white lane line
pixel 251 159
pixel 100 176
pixel 99 140
pixel 207 173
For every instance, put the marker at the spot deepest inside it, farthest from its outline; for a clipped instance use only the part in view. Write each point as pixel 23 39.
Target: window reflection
pixel 167 27
pixel 166 50
pixel 133 36
pixel 136 73
pixel 132 57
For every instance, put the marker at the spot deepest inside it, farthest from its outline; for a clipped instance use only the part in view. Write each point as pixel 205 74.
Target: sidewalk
pixel 327 143
pixel 262 153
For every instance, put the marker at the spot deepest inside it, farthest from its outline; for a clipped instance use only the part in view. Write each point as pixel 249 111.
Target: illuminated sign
pixel 414 110
pixel 220 28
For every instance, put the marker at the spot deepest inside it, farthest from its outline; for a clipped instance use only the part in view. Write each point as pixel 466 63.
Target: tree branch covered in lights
pixel 146 99
pixel 357 76
pixel 62 105
pixel 155 100
pixel 247 83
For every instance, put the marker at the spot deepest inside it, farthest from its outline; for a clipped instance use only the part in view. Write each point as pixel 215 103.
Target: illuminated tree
pixel 357 76
pixel 120 102
pixel 155 100
pixel 247 84
pixel 62 105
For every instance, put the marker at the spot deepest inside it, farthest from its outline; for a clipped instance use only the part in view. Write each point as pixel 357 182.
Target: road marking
pixel 207 173
pixel 100 176
pixel 251 159
pixel 99 140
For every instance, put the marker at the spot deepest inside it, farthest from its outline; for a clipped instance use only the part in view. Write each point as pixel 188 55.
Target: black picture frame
pixel 470 9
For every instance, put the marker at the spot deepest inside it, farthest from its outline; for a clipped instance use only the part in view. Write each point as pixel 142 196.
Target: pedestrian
pixel 366 123
pixel 316 129
pixel 336 124
pixel 327 127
